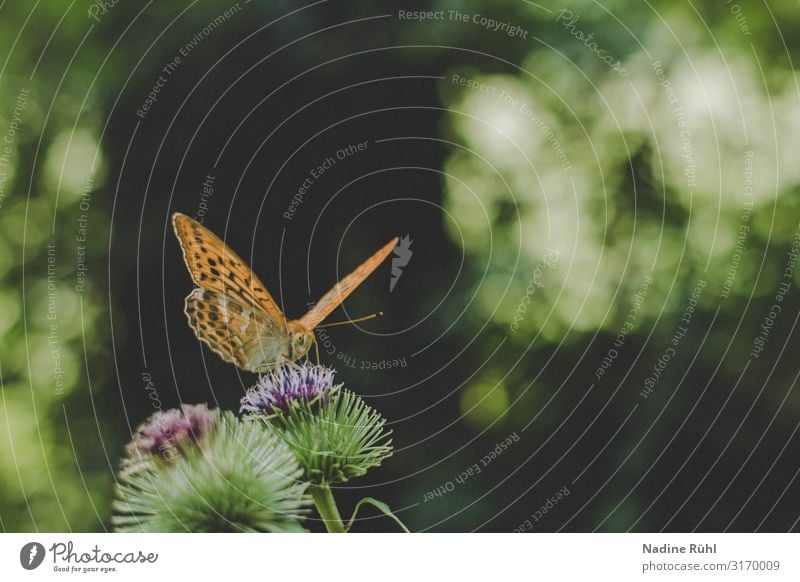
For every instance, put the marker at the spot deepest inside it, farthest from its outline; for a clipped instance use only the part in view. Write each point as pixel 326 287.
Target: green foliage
pixel 239 478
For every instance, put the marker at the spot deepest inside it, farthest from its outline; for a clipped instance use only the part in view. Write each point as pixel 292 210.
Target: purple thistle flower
pixel 166 430
pixel 276 391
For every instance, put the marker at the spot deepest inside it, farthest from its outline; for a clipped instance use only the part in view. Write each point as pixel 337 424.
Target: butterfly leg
pixel 291 363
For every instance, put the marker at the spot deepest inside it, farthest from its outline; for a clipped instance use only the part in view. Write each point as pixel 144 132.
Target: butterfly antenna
pixel 348 321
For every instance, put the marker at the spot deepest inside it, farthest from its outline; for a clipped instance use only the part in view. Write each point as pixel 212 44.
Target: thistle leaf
pixel 382 507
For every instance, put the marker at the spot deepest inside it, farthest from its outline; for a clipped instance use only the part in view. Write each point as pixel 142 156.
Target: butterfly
pixel 234 314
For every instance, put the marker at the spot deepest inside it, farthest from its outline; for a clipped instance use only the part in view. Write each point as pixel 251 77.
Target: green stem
pixel 326 505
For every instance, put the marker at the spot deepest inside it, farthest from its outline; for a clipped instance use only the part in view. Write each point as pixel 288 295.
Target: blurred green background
pixel 565 194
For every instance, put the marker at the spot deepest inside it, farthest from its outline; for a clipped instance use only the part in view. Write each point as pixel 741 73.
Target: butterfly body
pixel 233 313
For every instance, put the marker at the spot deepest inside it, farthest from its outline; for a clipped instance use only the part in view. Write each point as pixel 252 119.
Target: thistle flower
pixel 167 431
pixel 288 386
pixel 239 477
pixel 339 439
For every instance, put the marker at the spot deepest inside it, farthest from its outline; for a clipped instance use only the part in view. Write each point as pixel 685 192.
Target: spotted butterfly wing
pixel 231 311
pixel 237 333
pixel 214 266
pixel 333 298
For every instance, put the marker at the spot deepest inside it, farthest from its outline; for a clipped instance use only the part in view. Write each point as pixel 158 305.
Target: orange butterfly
pixel 234 314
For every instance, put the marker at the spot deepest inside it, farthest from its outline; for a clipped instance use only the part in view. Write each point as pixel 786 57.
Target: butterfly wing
pixel 238 333
pixel 215 267
pixel 333 298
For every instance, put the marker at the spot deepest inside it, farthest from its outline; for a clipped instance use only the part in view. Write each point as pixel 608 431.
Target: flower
pixel 167 430
pixel 240 478
pixel 334 442
pixel 286 386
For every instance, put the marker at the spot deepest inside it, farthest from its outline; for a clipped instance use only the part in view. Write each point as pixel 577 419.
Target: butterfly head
pixel 302 339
